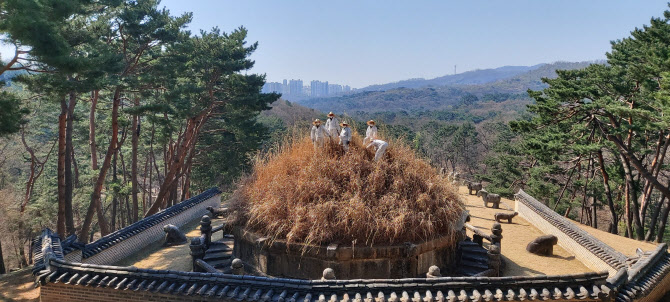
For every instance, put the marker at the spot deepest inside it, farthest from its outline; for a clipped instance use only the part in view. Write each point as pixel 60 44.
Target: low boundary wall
pixel 595 254
pixel 133 238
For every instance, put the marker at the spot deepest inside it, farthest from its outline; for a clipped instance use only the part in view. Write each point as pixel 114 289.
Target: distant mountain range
pixel 447 92
pixel 479 76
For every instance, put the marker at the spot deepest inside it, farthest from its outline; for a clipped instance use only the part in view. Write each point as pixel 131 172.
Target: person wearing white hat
pixel 318 134
pixel 380 145
pixel 371 133
pixel 332 126
pixel 345 136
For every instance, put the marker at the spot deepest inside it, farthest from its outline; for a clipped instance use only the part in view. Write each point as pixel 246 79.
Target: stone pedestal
pixel 407 260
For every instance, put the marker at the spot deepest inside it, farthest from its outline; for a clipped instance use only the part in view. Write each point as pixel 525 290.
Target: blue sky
pixel 367 42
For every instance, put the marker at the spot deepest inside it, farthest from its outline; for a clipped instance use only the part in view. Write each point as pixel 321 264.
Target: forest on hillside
pixel 112 111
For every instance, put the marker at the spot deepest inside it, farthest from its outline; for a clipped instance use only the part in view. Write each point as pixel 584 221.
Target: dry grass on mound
pixel 332 197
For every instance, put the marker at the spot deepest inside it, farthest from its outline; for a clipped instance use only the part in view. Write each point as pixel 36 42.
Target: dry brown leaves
pixel 302 196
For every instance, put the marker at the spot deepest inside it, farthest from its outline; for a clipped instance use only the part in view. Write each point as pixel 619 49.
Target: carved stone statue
pixel 173 236
pixel 237 267
pixel 474 186
pixel 543 245
pixel 505 216
pixel 217 212
pixel 433 272
pixel 487 197
pixel 328 274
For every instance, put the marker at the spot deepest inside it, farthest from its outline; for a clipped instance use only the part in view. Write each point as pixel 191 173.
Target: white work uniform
pixel 381 146
pixel 332 127
pixel 345 138
pixel 318 136
pixel 370 134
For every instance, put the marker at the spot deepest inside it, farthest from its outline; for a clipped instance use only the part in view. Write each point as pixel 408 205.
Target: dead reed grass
pixel 300 196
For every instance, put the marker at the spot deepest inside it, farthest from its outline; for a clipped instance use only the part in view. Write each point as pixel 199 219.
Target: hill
pixel 447 96
pixel 479 76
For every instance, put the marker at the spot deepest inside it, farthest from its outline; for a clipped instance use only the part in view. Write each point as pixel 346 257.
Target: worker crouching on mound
pixel 345 136
pixel 380 146
pixel 318 134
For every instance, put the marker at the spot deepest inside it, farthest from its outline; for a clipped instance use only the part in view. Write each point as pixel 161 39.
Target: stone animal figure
pixel 173 236
pixel 505 216
pixel 543 245
pixel 433 272
pixel 217 212
pixel 487 197
pixel 476 186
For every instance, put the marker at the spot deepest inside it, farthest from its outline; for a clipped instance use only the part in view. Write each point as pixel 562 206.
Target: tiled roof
pixel 141 225
pixel 45 246
pixel 645 274
pixel 252 288
pixel 601 250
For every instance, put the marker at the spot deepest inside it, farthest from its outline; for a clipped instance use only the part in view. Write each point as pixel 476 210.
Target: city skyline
pixel 296 88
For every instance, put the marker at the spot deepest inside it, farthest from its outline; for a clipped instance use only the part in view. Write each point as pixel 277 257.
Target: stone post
pixel 478 239
pixel 494 259
pixel 206 230
pixel 328 274
pixel 198 250
pixel 237 267
pixel 433 272
pixel 496 234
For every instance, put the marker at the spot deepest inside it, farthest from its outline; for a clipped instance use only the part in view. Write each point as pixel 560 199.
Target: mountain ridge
pixel 446 96
pixel 478 76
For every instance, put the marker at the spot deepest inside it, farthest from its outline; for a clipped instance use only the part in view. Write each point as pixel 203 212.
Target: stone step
pixel 473 264
pixel 216 256
pixel 215 249
pixel 467 243
pixel 475 258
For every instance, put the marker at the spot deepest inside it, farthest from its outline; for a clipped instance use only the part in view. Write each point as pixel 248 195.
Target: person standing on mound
pixel 371 133
pixel 345 136
pixel 332 126
pixel 318 134
pixel 380 145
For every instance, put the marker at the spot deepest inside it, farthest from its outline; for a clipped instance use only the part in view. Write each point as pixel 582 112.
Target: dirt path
pixel 19 286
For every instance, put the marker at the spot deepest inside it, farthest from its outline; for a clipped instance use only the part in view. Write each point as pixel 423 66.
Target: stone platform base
pixel 349 262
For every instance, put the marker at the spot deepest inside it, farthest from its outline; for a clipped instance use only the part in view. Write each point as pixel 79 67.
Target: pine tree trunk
pixel 614 228
pixel 115 198
pixel 133 163
pixel 179 154
pixel 62 154
pixel 95 205
pixel 663 223
pixel 76 170
pixel 654 219
pixel 3 270
pixel 638 231
pixel 69 150
pixel 91 131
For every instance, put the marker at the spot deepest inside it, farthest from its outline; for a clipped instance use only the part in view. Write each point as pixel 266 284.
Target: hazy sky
pixel 367 42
